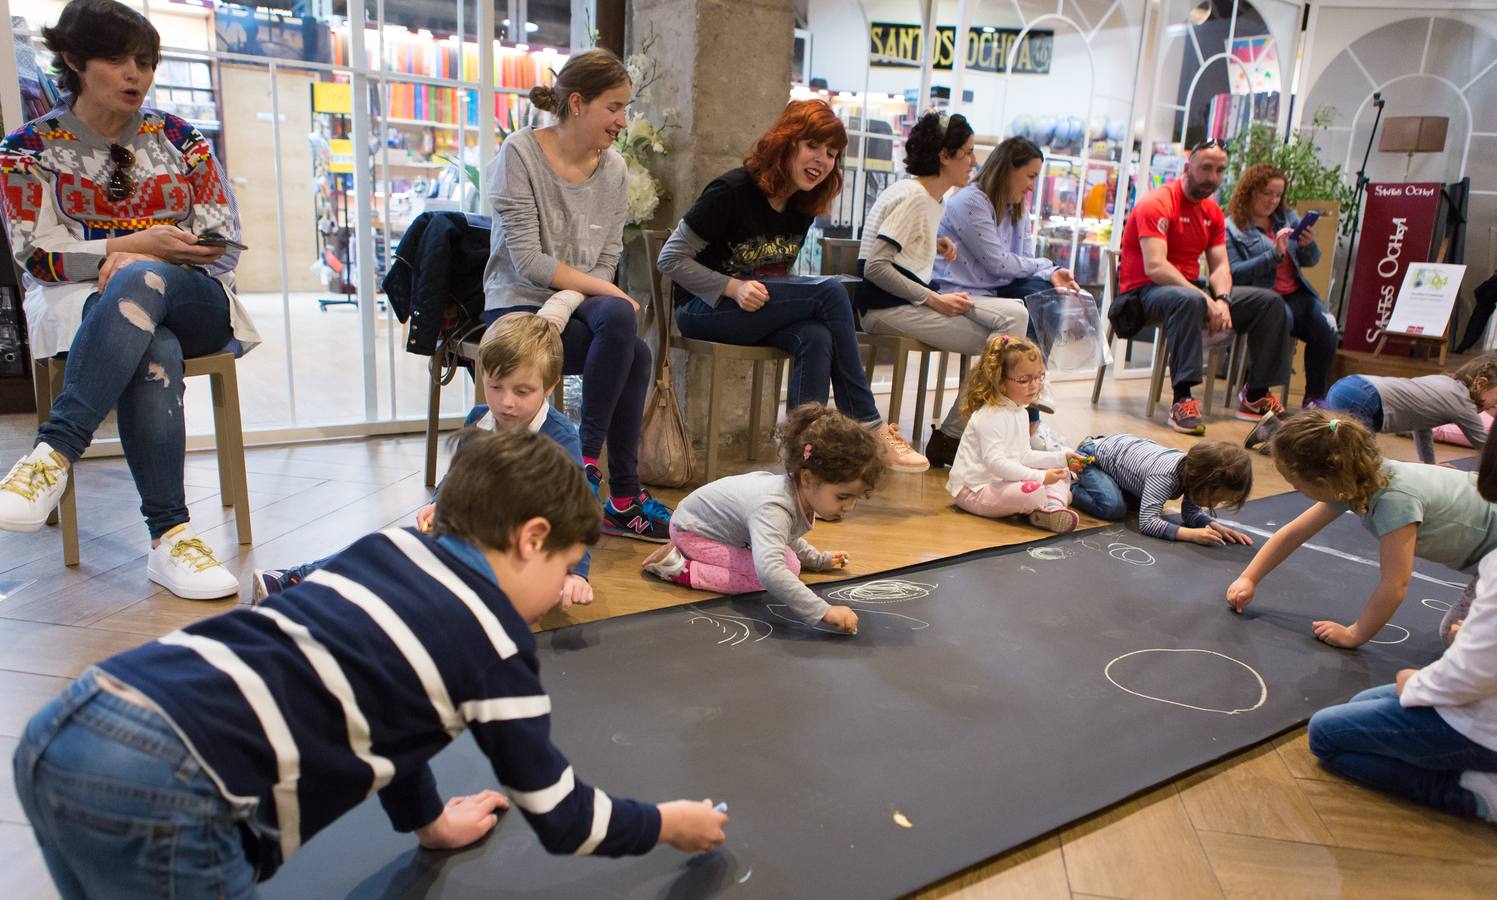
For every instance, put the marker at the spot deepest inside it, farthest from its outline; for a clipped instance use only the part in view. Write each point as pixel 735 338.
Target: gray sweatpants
pixel 966 334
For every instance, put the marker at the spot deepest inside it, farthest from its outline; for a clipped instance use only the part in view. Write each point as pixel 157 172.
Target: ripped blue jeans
pixel 128 356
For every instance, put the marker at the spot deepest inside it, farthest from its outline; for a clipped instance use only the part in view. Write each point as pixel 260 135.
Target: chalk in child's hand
pixel 721 807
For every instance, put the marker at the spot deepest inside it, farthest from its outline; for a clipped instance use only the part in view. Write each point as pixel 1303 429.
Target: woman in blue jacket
pixel 1258 246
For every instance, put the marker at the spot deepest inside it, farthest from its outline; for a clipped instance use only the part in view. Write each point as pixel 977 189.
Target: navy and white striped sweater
pixel 1152 473
pixel 349 682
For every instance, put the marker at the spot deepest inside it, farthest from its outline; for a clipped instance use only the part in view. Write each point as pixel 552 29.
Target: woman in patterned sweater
pixel 113 211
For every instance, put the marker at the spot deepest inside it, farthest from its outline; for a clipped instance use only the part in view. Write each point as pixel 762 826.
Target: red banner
pixel 1397 226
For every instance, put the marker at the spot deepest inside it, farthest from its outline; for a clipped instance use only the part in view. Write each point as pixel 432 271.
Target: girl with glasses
pixel 996 471
pixel 106 202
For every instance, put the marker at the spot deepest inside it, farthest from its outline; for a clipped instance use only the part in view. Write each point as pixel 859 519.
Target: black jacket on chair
pixel 440 260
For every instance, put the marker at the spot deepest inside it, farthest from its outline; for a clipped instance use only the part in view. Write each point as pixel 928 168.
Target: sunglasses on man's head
pixel 1212 144
pixel 121 182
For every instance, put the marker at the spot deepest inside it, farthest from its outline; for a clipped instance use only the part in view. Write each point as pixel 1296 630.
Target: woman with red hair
pixel 730 258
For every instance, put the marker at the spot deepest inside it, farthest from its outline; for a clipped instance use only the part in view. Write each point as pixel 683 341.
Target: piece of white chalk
pixel 721 807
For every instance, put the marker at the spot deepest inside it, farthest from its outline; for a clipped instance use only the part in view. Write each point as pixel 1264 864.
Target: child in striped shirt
pixel 200 762
pixel 1211 474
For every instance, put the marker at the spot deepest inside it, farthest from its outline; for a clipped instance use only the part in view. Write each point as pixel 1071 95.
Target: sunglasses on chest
pixel 121 183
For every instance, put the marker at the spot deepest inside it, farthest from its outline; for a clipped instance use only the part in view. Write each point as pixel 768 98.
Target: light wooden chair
pixel 715 353
pixel 1231 345
pixel 839 256
pixel 228 437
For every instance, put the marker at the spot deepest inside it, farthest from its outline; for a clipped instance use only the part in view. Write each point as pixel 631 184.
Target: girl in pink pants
pixel 746 533
pixel 996 472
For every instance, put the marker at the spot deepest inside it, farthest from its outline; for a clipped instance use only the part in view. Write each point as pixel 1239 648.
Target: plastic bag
pixel 1069 330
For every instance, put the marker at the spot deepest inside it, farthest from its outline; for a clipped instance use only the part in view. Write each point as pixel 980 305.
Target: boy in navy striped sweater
pixel 1123 466
pixel 196 764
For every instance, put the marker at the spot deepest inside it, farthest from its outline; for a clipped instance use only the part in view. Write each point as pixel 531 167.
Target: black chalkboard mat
pixel 989 699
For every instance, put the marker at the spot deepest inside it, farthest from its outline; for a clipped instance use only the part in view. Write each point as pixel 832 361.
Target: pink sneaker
pixel 897 453
pixel 1061 521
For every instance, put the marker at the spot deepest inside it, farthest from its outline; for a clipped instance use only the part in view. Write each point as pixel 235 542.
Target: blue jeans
pixel 1409 752
pixel 1356 396
pixel 1308 323
pixel 1095 493
pixel 808 318
pixel 128 356
pixel 120 806
pixel 1256 312
pixel 601 344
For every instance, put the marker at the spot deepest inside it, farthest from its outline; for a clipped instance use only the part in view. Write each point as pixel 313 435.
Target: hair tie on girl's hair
pixel 1003 340
pixel 1333 425
pixel 805 452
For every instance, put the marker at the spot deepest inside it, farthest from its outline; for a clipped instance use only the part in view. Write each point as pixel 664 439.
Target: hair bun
pixel 543 97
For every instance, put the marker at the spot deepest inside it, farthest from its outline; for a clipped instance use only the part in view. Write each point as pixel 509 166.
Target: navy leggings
pixel 600 343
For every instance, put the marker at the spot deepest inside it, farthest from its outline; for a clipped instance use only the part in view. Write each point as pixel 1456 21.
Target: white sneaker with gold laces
pixel 186 566
pixel 31 490
pixel 897 453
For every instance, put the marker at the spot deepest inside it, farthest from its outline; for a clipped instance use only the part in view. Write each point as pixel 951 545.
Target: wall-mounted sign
pixel 898 46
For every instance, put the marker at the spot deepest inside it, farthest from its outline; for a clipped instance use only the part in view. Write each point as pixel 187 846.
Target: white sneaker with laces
pixel 31 490
pixel 666 563
pixel 186 566
pixel 897 453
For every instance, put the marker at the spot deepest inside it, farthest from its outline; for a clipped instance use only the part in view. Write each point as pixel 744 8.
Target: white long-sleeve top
pixel 1462 685
pixel 995 447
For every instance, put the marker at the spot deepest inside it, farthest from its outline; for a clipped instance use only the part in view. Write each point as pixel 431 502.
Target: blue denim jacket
pixel 1250 252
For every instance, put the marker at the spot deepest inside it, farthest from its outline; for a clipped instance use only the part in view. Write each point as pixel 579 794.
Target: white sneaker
pixel 1483 785
pixel 666 563
pixel 186 566
pixel 31 491
pixel 1045 438
pixel 897 453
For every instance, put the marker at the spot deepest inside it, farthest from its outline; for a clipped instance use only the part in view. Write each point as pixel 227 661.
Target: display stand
pixel 1423 345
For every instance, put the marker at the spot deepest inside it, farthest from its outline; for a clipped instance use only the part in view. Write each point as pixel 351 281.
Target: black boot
pixel 941 449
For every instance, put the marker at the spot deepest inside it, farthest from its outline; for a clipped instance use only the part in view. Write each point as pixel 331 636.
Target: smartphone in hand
pixel 1304 223
pixel 214 239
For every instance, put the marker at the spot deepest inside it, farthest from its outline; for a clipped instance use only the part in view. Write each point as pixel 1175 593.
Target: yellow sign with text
pixel 988 50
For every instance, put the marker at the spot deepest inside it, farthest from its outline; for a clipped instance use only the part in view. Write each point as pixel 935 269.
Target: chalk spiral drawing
pixel 1262 687
pixel 735 629
pixel 1049 553
pixel 917 625
pixel 1398 641
pixel 1437 605
pixel 1128 553
pixel 884 591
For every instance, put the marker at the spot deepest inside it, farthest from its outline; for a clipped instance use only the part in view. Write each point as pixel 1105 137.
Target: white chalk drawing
pixel 1089 544
pixel 1262 687
pixel 891 590
pixel 1339 554
pixel 1396 641
pixel 916 624
pixel 1049 553
pixel 1128 553
pixel 736 629
pixel 1439 606
pixel 1030 569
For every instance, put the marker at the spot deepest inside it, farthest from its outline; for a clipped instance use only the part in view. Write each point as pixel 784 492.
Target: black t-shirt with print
pixel 746 237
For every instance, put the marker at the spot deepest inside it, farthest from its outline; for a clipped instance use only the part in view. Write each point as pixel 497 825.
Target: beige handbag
pixel 665 455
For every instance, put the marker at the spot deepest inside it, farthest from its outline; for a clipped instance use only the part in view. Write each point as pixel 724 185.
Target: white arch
pixel 1196 78
pixel 1367 101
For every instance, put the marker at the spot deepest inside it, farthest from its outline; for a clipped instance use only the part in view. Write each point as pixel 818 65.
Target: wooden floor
pixel 1266 823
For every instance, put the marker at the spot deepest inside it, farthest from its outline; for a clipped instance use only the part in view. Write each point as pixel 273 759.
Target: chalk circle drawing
pixel 891 590
pixel 1128 553
pixel 1396 640
pixel 1049 553
pixel 735 629
pixel 1262 687
pixel 1439 606
pixel 914 623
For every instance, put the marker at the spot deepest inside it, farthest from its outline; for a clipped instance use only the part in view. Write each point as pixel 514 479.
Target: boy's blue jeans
pixel 1406 751
pixel 121 807
pixel 128 356
pixel 1095 493
pixel 1356 395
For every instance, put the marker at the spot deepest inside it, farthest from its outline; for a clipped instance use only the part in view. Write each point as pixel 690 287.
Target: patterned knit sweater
pixel 55 171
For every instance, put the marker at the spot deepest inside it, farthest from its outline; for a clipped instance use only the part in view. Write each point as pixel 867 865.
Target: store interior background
pixel 1135 76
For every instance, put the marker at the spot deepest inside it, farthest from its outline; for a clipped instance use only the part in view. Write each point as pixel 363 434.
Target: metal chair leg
pixel 433 412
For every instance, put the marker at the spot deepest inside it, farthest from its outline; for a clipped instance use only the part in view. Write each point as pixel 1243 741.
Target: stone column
pixel 724 66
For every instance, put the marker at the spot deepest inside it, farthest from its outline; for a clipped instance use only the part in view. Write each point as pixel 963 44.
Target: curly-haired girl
pixel 1430 512
pixel 996 472
pixel 745 533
